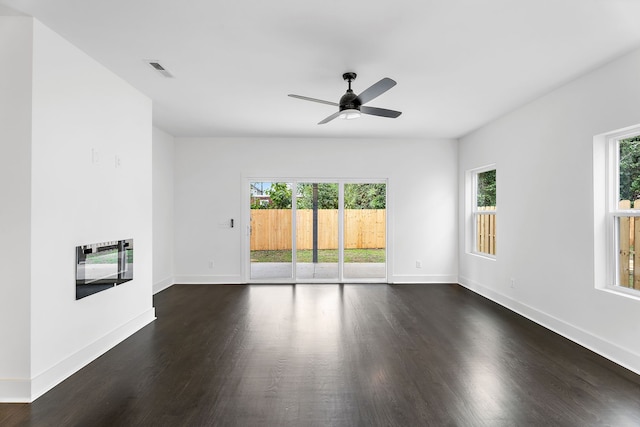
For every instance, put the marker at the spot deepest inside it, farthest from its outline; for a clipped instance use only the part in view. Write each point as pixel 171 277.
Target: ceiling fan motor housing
pixel 349 101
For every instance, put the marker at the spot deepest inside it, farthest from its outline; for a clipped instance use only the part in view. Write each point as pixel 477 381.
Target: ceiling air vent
pixel 158 67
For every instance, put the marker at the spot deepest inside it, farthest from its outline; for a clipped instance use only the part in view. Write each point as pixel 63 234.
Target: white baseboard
pixel 162 285
pixel 212 279
pixel 237 279
pixel 48 379
pixel 15 391
pixel 399 279
pixel 601 346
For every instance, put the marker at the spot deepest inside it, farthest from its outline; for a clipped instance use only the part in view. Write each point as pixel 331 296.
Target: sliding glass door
pixel 271 229
pixel 365 231
pixel 328 231
pixel 317 236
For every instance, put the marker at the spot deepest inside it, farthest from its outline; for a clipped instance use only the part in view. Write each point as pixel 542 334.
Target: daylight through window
pixel 625 211
pixel 484 211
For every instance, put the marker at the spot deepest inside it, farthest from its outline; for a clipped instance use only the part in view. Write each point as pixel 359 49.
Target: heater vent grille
pixel 155 64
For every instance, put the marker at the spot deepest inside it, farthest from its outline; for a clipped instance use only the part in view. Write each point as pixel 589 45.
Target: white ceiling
pixel 458 63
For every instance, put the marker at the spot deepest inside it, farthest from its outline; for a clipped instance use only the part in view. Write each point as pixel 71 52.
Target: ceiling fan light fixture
pixel 350 114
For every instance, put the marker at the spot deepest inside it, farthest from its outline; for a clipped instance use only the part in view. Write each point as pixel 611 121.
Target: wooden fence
pixel 363 229
pixel 486 231
pixel 629 229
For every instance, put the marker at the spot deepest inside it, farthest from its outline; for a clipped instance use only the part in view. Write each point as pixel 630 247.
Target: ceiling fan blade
pixel 376 90
pixel 306 98
pixel 331 117
pixel 382 112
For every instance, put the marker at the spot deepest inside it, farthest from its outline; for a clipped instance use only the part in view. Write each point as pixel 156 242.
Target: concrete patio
pixel 309 270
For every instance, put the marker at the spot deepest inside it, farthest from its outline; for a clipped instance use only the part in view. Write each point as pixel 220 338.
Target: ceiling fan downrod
pixel 349 77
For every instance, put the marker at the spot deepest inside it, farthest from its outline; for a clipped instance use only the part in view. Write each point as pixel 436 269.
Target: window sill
pixel 482 255
pixel 621 291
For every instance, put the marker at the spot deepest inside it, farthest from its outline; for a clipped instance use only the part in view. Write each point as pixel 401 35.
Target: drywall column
pixel 15 205
pixel 163 227
pixel 91 182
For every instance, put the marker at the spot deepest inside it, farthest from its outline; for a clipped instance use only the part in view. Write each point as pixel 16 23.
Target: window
pixel 624 209
pixel 484 211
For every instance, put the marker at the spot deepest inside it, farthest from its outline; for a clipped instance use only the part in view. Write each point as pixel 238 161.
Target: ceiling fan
pixel 351 105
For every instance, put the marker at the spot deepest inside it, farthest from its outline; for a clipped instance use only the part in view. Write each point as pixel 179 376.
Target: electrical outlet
pixel 418 264
pixel 211 264
pixel 512 283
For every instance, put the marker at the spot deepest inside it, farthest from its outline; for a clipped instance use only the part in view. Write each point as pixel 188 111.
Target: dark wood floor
pixel 338 355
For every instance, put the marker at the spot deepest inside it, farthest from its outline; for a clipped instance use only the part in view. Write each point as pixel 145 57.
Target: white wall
pixel 15 203
pixel 163 225
pixel 78 107
pixel 209 174
pixel 544 154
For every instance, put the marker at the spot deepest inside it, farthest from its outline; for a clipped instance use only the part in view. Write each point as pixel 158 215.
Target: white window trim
pixel 612 190
pixel 472 179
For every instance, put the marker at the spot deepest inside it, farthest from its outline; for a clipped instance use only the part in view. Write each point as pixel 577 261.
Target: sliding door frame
pixel 246 229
